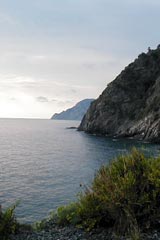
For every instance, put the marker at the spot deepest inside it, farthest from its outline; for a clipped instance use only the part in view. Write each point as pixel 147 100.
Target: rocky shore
pixel 54 232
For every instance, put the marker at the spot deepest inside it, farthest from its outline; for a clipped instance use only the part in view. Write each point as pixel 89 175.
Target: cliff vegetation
pixel 124 198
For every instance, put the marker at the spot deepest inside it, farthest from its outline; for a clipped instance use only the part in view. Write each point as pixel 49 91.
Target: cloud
pixel 7 19
pixel 53 100
pixel 12 99
pixel 59 52
pixel 42 99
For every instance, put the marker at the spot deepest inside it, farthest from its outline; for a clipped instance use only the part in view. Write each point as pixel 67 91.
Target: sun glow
pixel 15 106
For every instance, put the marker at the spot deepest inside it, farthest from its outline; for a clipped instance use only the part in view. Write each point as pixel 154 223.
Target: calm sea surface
pixel 42 163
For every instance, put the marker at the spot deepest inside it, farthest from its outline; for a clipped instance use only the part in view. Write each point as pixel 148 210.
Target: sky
pixel 54 53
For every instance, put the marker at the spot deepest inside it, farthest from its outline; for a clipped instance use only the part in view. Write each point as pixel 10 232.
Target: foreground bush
pixel 124 197
pixel 8 223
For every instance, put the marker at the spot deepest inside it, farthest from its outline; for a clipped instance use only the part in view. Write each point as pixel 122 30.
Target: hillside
pixel 130 105
pixel 75 113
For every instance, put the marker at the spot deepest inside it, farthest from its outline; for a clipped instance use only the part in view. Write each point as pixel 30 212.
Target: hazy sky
pixel 54 53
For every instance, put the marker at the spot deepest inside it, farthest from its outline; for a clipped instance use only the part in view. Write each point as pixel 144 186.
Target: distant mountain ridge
pixel 75 113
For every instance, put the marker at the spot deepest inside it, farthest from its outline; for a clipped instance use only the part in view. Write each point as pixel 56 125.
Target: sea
pixel 45 164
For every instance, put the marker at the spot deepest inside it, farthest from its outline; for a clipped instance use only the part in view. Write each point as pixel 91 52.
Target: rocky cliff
pixel 75 113
pixel 130 105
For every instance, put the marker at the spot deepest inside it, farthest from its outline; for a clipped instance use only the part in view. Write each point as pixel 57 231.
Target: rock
pixel 72 233
pixel 75 113
pixel 130 105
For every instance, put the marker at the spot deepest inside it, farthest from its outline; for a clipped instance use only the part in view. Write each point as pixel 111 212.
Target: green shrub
pixel 38 226
pixel 124 196
pixel 8 223
pixel 68 214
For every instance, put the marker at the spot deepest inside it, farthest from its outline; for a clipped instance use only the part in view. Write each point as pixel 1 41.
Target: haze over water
pixel 42 163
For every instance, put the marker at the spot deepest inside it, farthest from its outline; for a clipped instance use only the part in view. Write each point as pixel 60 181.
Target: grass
pixel 8 222
pixel 124 196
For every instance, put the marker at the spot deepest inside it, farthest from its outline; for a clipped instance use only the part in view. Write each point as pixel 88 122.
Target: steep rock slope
pixel 130 105
pixel 75 113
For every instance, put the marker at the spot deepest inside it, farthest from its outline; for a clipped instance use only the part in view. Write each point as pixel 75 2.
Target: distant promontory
pixel 75 113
